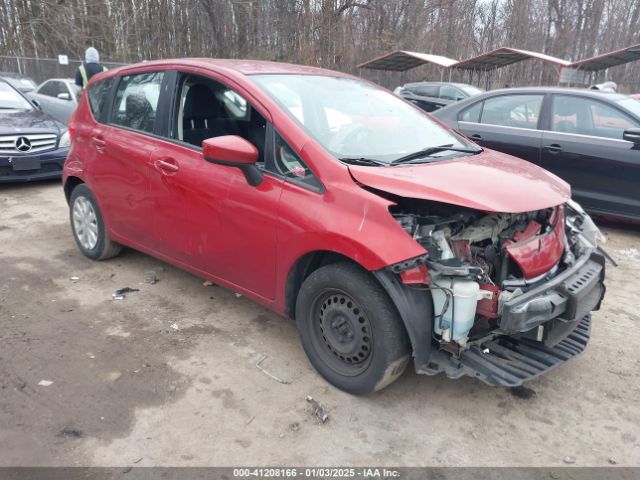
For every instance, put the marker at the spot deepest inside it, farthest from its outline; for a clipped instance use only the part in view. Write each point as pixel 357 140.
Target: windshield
pixel 353 119
pixel 630 104
pixel 470 90
pixel 10 99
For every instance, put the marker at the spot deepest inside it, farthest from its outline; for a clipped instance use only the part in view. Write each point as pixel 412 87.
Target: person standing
pixel 89 67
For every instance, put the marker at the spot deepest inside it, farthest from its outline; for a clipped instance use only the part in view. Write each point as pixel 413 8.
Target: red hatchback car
pixel 385 235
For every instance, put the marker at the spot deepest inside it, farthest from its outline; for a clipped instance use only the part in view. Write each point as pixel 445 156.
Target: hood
pixel 34 121
pixel 91 55
pixel 490 181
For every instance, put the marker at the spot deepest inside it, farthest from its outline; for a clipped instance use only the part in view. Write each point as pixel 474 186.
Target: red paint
pixel 415 275
pixel 539 253
pixel 488 307
pixel 490 181
pixel 230 148
pixel 533 228
pixel 163 198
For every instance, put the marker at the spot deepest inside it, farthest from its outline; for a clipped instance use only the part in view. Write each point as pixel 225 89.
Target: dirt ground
pixel 168 375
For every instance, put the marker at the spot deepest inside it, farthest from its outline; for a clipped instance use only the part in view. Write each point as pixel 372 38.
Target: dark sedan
pixel 33 145
pixel 589 138
pixel 430 96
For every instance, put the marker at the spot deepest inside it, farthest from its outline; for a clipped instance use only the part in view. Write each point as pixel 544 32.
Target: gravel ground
pixel 169 375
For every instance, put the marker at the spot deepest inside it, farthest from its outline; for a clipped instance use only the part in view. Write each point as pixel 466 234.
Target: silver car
pixel 58 97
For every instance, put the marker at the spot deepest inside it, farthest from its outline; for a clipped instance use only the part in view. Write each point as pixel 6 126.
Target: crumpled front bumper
pixel 569 296
pixel 541 329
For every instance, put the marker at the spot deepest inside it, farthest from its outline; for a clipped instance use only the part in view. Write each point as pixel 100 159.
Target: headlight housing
pixel 588 230
pixel 65 140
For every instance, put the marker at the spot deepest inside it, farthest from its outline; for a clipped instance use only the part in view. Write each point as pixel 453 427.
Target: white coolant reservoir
pixel 460 313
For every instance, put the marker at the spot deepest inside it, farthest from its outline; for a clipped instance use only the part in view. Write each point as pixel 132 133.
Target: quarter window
pixel 520 111
pixel 472 114
pixel 98 95
pixel 585 116
pixel 136 101
pixel 291 166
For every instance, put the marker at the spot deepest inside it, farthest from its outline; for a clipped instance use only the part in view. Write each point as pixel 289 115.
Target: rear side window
pixel 426 90
pixel 520 111
pixel 450 93
pixel 136 101
pixel 98 95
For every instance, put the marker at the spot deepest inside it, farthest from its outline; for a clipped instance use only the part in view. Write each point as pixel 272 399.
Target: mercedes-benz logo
pixel 23 144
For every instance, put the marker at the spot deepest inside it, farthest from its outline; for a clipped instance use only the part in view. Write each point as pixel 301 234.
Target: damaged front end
pixel 511 294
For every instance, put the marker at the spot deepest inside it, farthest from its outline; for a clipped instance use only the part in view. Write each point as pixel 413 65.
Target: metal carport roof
pixel 607 60
pixel 402 60
pixel 503 56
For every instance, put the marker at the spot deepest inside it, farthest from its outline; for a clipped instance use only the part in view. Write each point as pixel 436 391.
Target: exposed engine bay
pixel 478 261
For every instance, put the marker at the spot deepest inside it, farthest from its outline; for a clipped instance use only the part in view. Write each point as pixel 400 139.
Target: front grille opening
pixel 38 142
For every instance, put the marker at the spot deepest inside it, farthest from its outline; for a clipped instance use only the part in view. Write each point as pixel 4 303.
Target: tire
pixel 350 329
pixel 88 227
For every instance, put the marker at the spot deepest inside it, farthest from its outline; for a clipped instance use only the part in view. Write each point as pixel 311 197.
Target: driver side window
pixel 208 109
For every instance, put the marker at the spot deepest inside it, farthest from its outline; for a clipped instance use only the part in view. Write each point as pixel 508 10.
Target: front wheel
pixel 88 226
pixel 350 329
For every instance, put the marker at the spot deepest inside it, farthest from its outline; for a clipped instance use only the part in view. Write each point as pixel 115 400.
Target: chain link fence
pixel 40 69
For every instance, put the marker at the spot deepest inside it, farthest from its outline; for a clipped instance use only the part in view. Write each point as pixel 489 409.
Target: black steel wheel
pixel 350 329
pixel 343 328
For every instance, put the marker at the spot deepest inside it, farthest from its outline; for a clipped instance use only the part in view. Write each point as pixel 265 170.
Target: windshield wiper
pixel 431 150
pixel 363 161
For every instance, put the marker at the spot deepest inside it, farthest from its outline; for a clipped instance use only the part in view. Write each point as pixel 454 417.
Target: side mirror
pixel 64 96
pixel 234 151
pixel 632 135
pixel 36 104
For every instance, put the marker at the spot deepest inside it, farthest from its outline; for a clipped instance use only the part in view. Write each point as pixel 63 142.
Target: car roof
pixel 456 84
pixel 542 90
pixel 243 67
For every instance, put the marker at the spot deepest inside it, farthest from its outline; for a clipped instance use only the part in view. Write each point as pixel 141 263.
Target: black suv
pixel 591 139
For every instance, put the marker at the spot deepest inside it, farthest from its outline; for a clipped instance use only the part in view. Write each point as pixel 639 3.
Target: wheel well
pixel 69 185
pixel 304 267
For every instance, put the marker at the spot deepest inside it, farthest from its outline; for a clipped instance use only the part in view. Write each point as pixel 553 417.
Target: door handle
pixel 477 137
pixel 167 166
pixel 553 148
pixel 99 143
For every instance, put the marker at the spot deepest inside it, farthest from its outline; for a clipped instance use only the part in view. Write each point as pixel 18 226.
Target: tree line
pixel 336 34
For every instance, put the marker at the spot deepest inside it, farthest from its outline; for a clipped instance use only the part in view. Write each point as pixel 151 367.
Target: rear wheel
pixel 350 329
pixel 88 227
